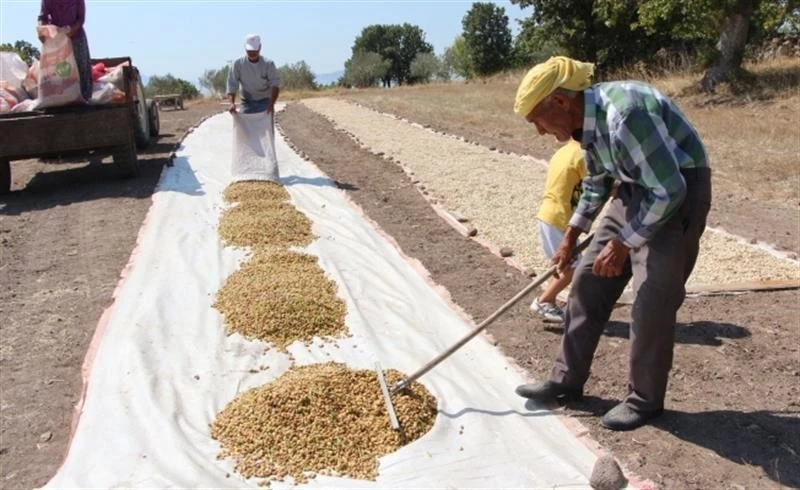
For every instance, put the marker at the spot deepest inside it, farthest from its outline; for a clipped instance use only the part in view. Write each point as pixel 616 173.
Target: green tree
pixel 168 84
pixel 591 30
pixel 720 29
pixel 424 67
pixel 398 44
pixel 487 37
pixel 24 49
pixel 712 33
pixel 445 70
pixel 364 69
pixel 187 89
pixel 382 40
pixel 457 57
pixel 215 81
pixel 297 76
pixel 527 49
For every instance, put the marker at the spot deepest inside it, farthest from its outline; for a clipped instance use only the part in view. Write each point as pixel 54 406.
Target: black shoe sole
pixel 565 397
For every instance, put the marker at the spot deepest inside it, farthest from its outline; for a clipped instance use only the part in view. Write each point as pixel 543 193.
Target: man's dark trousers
pixel 659 269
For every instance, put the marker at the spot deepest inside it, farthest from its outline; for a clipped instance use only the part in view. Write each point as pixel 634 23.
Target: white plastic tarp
pixel 254 155
pixel 163 367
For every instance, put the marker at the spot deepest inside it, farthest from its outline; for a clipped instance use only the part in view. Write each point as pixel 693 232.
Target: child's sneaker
pixel 549 312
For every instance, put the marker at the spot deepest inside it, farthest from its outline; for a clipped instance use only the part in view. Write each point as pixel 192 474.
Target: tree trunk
pixel 732 41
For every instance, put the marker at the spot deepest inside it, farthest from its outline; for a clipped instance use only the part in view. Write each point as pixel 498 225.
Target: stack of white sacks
pixel 53 81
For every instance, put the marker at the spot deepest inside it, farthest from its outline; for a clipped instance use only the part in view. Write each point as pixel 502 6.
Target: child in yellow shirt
pixel 562 191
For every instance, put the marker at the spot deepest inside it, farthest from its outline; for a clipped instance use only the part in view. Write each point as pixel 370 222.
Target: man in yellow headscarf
pixel 544 78
pixel 632 134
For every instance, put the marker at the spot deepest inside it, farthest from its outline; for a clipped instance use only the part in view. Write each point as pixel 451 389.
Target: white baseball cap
pixel 253 42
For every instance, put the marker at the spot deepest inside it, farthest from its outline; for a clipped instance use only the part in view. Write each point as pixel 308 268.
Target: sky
pixel 187 37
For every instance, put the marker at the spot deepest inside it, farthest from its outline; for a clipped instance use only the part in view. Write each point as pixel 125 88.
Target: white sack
pixel 59 81
pixel 254 148
pixel 12 69
pixel 116 77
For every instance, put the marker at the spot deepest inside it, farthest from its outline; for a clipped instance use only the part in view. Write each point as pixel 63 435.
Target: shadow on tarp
pixel 316 181
pixel 181 178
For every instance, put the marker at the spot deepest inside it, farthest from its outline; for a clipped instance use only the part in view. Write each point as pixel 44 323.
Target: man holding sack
pixel 258 81
pixel 69 16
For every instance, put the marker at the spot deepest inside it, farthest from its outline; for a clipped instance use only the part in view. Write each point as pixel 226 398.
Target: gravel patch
pixel 499 193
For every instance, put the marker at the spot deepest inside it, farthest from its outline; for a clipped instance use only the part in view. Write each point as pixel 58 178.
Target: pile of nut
pixel 320 419
pixel 255 191
pixel 278 296
pixel 267 223
pixel 281 297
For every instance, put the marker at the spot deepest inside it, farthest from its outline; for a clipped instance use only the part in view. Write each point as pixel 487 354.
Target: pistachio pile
pixel 262 216
pixel 279 297
pixel 255 191
pixel 320 419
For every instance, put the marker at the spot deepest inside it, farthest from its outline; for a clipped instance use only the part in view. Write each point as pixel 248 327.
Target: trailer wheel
pixel 154 119
pixel 126 161
pixel 141 128
pixel 5 177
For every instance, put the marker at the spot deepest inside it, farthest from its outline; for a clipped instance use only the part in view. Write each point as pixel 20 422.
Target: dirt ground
pixel 733 406
pixel 66 232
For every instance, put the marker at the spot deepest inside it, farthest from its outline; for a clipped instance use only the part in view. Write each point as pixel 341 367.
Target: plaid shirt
pixel 634 134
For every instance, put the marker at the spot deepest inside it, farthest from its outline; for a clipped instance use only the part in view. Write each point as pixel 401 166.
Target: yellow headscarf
pixel 544 78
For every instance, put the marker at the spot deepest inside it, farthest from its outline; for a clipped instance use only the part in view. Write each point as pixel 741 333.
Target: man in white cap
pixel 254 156
pixel 256 78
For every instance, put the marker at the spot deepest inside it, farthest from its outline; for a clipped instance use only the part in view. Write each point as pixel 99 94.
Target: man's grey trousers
pixel 659 269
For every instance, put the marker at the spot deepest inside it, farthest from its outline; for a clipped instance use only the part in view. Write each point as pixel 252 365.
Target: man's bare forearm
pixel 572 234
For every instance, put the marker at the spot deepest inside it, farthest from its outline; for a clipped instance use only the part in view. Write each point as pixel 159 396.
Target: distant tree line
pixel 24 49
pixel 297 76
pixel 708 34
pixel 712 35
pixel 168 84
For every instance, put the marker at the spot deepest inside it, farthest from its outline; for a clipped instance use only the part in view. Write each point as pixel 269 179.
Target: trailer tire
pixel 126 161
pixel 154 118
pixel 5 177
pixel 141 127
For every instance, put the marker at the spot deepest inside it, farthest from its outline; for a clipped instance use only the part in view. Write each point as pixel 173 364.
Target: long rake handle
pixel 400 385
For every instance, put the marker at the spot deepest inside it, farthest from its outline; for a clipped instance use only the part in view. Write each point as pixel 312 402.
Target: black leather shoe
pixel 549 391
pixel 623 417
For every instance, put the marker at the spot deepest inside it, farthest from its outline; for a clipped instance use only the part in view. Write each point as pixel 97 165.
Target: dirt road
pixel 66 233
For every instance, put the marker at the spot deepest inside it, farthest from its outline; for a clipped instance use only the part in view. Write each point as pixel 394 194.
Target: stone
pixel 607 475
pixel 506 252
